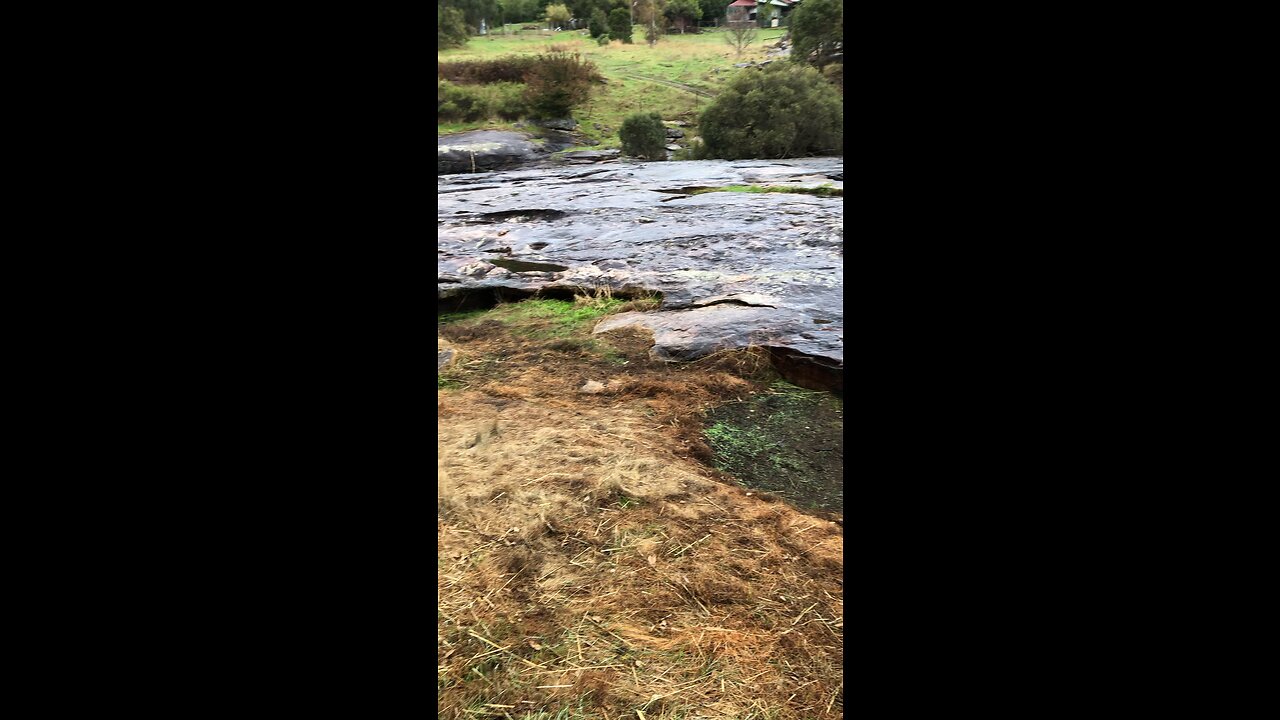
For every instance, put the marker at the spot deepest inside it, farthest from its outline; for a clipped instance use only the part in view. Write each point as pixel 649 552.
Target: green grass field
pixel 639 78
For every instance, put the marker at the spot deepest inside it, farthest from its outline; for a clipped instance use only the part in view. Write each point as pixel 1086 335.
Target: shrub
pixel 558 15
pixel 558 83
pixel 817 32
pixel 739 35
pixel 783 110
pixel 644 136
pixel 620 25
pixel 834 73
pixel 451 27
pixel 599 25
pixel 478 102
pixel 512 68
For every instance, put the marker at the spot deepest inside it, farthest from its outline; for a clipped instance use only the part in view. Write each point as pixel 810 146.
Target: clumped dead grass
pixel 588 562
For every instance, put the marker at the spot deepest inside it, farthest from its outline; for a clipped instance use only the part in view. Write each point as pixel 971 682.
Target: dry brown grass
pixel 588 561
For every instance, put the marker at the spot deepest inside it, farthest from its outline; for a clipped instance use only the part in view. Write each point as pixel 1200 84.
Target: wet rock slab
pixel 734 269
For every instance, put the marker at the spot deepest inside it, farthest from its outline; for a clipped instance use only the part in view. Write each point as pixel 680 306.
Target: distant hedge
pixel 469 103
pixel 508 88
pixel 482 72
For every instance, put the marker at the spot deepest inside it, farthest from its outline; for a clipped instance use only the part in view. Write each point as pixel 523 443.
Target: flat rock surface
pixel 734 269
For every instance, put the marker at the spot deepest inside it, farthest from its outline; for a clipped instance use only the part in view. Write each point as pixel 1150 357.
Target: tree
pixel 620 25
pixel 682 12
pixel 599 24
pixel 558 16
pixel 740 34
pixel 649 15
pixel 817 32
pixel 765 15
pixel 580 9
pixel 521 11
pixel 451 27
pixel 782 110
pixel 643 135
pixel 713 9
pixel 473 11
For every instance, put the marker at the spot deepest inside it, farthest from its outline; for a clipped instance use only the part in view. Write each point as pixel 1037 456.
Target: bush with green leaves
pixel 643 135
pixel 620 25
pixel 510 68
pixel 559 82
pixel 599 24
pixel 780 111
pixel 817 32
pixel 470 103
pixel 451 27
pixel 558 15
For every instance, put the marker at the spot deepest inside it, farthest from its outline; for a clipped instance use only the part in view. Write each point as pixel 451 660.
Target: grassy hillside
pixel 674 78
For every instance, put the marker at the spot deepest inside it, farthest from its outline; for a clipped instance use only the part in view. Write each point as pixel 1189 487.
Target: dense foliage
pixel 620 25
pixel 713 9
pixel 473 11
pixel 451 28
pixel 558 82
pixel 782 110
pixel 599 24
pixel 511 68
pixel 643 135
pixel 455 103
pixel 683 13
pixel 817 32
pixel 558 15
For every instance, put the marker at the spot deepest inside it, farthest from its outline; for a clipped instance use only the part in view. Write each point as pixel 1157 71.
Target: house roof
pixel 743 3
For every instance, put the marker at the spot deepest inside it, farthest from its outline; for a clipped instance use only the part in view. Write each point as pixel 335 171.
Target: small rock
pixel 641 219
pixel 675 133
pixel 592 387
pixel 673 147
pixel 476 268
pixel 444 358
pixel 560 124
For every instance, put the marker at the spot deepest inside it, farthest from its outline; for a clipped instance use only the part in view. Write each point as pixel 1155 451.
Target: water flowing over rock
pixel 734 269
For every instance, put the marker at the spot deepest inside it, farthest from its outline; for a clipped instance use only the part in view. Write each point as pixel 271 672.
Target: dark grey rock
pixel 560 124
pixel 483 150
pixel 591 155
pixel 675 133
